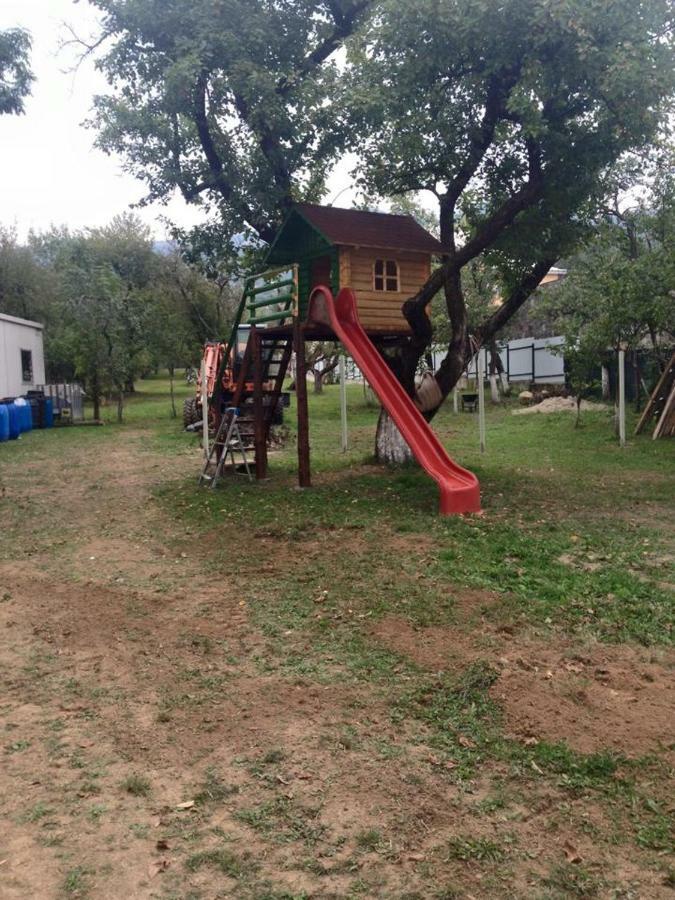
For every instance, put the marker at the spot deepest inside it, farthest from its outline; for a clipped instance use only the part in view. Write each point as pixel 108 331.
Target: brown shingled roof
pixel 355 227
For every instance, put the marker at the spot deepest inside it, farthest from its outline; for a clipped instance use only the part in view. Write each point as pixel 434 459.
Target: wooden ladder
pixel 264 364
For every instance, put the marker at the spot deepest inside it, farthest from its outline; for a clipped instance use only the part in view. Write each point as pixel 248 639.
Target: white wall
pixel 17 335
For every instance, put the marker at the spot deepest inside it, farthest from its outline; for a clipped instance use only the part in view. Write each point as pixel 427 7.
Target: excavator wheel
pixel 278 414
pixel 190 412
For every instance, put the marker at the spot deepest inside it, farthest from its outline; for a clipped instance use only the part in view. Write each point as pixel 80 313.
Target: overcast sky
pixel 49 171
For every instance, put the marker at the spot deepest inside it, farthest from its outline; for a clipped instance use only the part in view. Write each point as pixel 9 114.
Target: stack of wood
pixel 661 405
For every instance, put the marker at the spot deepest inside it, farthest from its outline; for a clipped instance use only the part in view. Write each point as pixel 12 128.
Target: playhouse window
pixel 385 276
pixel 27 366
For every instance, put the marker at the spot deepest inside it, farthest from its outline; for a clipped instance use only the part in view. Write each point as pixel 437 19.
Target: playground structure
pixel 371 262
pixel 222 361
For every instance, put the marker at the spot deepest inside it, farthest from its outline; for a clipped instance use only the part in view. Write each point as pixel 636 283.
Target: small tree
pixel 582 362
pixel 25 285
pixel 104 278
pixel 92 307
pixel 174 341
pixel 323 358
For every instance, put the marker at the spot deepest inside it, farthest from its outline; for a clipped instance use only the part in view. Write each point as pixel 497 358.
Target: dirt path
pixel 151 751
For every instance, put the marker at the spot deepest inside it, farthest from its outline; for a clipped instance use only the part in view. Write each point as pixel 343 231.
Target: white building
pixel 22 356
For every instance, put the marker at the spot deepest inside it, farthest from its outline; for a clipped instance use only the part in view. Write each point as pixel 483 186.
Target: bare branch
pixel 86 48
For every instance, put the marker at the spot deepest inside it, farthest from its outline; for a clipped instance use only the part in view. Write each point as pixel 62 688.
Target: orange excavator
pixel 213 359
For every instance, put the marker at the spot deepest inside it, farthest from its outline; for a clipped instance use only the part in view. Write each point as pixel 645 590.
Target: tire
pixel 278 414
pixel 190 413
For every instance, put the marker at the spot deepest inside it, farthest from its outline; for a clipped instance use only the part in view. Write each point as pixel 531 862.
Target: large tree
pixel 507 114
pixel 236 103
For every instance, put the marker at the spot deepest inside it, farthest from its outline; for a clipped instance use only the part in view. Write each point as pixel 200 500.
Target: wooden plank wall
pixel 381 310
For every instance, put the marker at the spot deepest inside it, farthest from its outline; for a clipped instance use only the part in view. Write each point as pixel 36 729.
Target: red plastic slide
pixel 459 488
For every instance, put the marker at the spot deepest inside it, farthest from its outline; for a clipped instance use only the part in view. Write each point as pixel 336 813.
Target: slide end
pixel 456 501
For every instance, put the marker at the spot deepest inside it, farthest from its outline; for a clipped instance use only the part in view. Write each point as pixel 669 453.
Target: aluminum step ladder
pixel 227 441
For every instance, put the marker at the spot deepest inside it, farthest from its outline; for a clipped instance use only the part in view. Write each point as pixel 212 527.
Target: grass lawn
pixel 265 692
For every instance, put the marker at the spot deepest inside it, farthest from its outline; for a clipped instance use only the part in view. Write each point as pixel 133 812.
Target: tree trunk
pixel 173 398
pixel 578 418
pixel 390 448
pixel 318 381
pixel 120 404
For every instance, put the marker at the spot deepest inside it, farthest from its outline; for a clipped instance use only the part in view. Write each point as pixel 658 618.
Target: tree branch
pixel 220 179
pixel 268 141
pixel 345 22
pixel 528 194
pixel 495 109
pixel 524 289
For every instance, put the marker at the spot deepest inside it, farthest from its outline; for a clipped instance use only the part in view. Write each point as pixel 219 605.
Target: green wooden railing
pixel 273 301
pixel 263 309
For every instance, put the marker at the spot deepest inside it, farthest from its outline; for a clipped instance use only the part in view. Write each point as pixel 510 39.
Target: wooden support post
pixel 481 399
pixel 304 478
pixel 343 403
pixel 205 412
pixel 622 397
pixel 259 438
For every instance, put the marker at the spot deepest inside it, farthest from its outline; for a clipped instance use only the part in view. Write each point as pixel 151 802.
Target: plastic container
pixel 14 421
pixel 36 404
pixel 25 415
pixel 48 415
pixel 4 423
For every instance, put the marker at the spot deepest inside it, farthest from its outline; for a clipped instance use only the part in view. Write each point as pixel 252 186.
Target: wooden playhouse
pixel 384 258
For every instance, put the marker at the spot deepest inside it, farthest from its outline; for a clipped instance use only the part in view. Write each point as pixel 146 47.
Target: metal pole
pixel 304 477
pixel 205 412
pixel 622 397
pixel 343 402
pixel 481 400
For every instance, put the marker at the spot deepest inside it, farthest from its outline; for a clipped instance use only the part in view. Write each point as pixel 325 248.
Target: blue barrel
pixel 29 417
pixel 14 421
pixel 26 417
pixel 4 423
pixel 48 418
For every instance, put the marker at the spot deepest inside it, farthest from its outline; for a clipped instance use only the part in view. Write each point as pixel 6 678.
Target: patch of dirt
pixel 438 647
pixel 140 664
pixel 607 698
pixel 600 697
